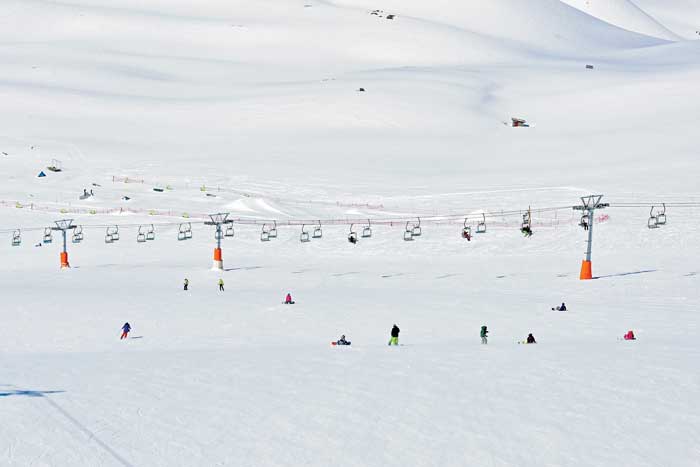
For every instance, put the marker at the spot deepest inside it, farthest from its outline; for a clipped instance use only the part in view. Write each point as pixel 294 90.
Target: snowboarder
pixel 341 341
pixel 484 335
pixel 630 336
pixel 221 285
pixel 186 284
pixel 562 307
pixel 530 339
pixel 125 331
pixel 394 335
pixel 288 299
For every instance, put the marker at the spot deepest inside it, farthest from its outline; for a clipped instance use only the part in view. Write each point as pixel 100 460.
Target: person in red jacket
pixel 630 336
pixel 288 300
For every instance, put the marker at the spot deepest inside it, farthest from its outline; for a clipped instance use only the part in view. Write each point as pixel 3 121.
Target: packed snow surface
pixel 169 110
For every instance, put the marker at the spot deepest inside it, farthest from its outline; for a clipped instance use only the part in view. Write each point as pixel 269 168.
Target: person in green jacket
pixel 484 333
pixel 221 285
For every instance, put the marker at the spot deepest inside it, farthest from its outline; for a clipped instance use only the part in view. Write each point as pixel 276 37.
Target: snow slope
pixel 253 108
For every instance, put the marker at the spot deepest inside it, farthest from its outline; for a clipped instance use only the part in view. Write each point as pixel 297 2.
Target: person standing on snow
pixel 221 285
pixel 125 331
pixel 394 335
pixel 185 284
pixel 484 333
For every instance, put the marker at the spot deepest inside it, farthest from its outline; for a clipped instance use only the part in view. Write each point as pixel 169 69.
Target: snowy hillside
pixel 338 118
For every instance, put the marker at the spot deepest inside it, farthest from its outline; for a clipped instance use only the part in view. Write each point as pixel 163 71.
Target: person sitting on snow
pixel 531 339
pixel 562 307
pixel 630 336
pixel 288 299
pixel 342 341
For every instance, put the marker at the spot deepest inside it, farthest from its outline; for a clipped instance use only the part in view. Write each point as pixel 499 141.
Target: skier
pixel 466 235
pixel 630 336
pixel 562 307
pixel 527 231
pixel 531 339
pixel 221 285
pixel 185 284
pixel 484 335
pixel 288 299
pixel 125 331
pixel 394 335
pixel 342 341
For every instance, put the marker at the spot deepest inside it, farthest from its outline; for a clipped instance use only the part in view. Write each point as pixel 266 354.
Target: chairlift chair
pixel 229 230
pixel 352 236
pixel 184 231
pixel 408 233
pixel 48 235
pixel 318 233
pixel 653 222
pixel 77 234
pixel 112 234
pixel 661 216
pixel 417 232
pixel 272 233
pixel 584 221
pixel 16 238
pixel 56 166
pixel 141 236
pixel 481 226
pixel 151 233
pixel 466 231
pixel 265 234
pixel 367 231
pixel 304 237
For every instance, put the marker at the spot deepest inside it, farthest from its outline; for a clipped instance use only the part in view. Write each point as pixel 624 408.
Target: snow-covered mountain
pixel 346 115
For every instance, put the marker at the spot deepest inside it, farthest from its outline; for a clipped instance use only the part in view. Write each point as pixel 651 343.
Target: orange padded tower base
pixel 64 260
pixel 218 261
pixel 586 270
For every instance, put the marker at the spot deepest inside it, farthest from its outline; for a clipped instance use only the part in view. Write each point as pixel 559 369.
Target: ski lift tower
pixel 64 226
pixel 218 220
pixel 588 205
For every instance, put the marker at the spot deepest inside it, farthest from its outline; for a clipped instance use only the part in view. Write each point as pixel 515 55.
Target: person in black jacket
pixel 394 335
pixel 531 339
